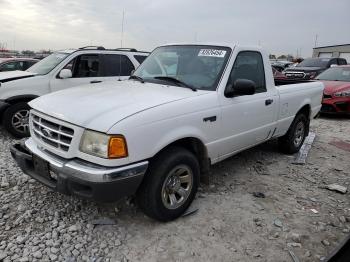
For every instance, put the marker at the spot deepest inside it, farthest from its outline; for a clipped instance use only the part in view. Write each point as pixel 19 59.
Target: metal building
pixel 342 51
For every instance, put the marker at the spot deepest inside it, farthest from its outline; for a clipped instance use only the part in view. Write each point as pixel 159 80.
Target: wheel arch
pixel 195 146
pixel 305 110
pixel 20 98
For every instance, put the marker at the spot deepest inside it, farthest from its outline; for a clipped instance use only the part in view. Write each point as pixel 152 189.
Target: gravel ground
pixel 231 224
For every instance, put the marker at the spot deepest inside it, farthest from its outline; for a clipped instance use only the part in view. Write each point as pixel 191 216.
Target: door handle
pixel 210 119
pixel 268 102
pixel 95 81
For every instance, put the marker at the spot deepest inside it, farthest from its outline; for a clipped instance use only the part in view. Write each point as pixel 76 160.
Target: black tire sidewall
pixel 8 115
pixel 156 176
pixel 287 142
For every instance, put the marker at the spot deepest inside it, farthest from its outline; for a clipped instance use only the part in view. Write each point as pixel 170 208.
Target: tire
pixel 154 195
pixel 16 119
pixel 292 141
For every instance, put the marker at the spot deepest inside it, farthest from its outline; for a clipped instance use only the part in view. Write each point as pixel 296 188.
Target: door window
pixel 117 65
pixel 341 61
pixel 249 65
pixel 84 66
pixel 333 61
pixel 140 58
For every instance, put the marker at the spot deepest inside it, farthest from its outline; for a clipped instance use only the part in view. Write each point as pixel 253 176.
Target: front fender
pixel 178 134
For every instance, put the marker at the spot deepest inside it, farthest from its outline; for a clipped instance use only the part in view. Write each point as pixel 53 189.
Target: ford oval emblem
pixel 46 132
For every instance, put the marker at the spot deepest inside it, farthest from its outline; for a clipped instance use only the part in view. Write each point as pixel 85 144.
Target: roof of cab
pixel 222 44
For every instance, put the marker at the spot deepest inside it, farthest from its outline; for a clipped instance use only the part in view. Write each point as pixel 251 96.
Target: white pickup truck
pixel 185 108
pixel 60 70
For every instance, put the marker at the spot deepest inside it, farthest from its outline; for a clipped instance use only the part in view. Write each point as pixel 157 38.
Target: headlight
pixel 102 145
pixel 343 93
pixel 311 74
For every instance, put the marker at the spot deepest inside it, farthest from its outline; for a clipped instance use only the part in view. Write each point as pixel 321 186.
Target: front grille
pixel 342 106
pixel 295 74
pixel 51 133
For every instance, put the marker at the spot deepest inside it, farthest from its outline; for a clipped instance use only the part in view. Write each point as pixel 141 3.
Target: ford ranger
pixel 185 108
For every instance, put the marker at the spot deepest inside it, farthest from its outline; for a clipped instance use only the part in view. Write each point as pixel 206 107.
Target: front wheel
pixel 170 184
pixel 292 141
pixel 16 120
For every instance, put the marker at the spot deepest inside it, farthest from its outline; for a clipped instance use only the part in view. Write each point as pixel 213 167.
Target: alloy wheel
pixel 177 187
pixel 20 121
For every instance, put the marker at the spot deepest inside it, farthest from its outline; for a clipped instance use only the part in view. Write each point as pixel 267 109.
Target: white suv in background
pixel 60 70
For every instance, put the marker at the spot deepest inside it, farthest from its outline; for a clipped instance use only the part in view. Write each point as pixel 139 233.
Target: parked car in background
pixel 336 95
pixel 309 68
pixel 60 70
pixel 186 107
pixel 280 65
pixel 277 75
pixel 12 64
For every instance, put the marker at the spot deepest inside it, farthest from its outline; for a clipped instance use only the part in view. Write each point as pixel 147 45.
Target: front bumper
pixel 339 105
pixel 77 177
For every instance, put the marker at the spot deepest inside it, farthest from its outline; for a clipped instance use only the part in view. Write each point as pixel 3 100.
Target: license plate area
pixel 41 167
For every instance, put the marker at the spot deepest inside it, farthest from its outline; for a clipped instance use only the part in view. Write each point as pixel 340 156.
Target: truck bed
pixel 282 82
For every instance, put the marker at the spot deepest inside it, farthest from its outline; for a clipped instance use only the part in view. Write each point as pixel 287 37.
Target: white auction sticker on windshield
pixel 212 52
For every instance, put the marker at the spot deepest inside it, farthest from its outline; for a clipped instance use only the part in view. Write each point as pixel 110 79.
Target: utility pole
pixel 122 32
pixel 316 37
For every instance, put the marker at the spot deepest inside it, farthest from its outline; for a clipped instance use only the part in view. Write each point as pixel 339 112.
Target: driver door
pixel 86 69
pixel 248 120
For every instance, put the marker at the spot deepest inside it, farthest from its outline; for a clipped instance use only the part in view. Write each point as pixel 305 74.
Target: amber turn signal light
pixel 117 147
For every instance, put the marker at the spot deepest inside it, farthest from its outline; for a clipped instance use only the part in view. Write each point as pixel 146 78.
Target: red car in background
pixel 336 95
pixel 277 75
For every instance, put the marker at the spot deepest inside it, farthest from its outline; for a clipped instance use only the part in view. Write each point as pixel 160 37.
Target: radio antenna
pixel 121 46
pixel 122 32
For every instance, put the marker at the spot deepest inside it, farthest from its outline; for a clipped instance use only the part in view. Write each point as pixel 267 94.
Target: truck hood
pixel 100 106
pixel 332 87
pixel 14 75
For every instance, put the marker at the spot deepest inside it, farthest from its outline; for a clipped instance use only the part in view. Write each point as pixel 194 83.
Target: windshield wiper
pixel 176 81
pixel 137 78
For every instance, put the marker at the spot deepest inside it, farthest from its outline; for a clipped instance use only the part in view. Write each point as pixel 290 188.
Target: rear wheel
pixel 292 141
pixel 16 120
pixel 170 184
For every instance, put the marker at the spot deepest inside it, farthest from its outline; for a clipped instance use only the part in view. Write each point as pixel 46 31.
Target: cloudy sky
pixel 279 26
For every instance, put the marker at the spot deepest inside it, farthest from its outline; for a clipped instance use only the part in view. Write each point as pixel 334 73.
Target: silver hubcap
pixel 20 121
pixel 299 134
pixel 177 187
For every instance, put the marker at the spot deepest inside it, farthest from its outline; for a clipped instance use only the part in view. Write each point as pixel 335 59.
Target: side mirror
pixel 65 73
pixel 240 87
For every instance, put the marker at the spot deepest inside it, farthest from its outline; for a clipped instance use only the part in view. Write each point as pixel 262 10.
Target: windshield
pixel 47 64
pixel 335 74
pixel 196 66
pixel 314 62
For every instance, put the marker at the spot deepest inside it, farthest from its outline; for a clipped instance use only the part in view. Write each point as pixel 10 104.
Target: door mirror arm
pixel 229 91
